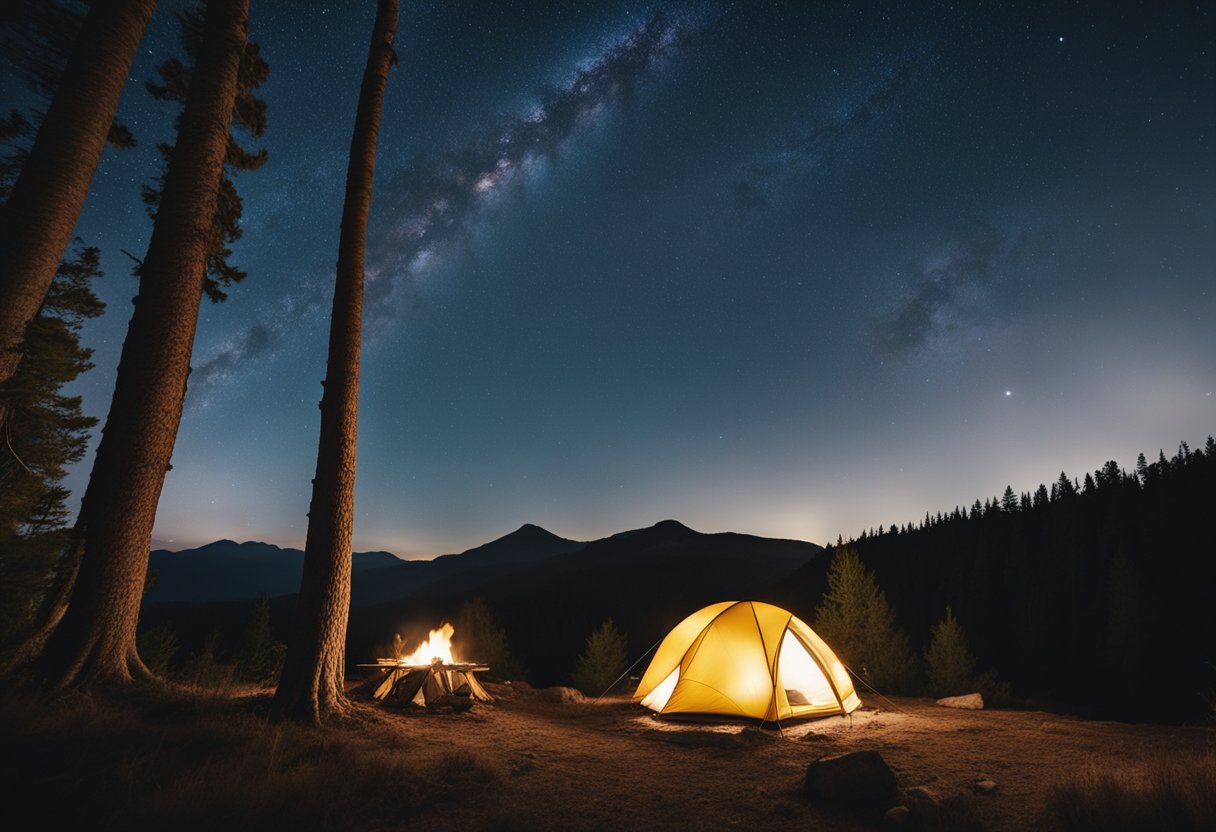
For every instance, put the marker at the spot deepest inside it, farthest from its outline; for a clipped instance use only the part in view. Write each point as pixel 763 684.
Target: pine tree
pixel 858 624
pixel 48 195
pixel 480 638
pixel 603 661
pixel 1064 487
pixel 949 665
pixel 249 114
pixel 1009 501
pixel 94 643
pixel 312 684
pixel 1142 469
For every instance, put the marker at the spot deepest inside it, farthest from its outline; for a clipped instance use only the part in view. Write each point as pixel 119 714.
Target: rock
pixel 922 794
pixel 984 787
pixel 560 695
pixel 970 702
pixel 896 816
pixel 861 779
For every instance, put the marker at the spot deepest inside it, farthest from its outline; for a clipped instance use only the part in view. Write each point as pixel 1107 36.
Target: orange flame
pixel 437 646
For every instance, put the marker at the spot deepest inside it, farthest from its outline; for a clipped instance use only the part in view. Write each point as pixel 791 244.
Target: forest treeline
pixel 1093 593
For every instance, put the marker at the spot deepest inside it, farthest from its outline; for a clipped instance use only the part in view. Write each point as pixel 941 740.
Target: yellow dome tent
pixel 746 659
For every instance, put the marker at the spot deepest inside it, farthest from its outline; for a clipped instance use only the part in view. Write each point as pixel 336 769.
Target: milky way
pixel 430 202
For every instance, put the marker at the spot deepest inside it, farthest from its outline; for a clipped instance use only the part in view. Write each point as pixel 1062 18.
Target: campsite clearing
pixel 200 761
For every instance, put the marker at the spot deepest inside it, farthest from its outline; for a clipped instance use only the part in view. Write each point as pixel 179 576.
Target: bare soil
pixel 612 765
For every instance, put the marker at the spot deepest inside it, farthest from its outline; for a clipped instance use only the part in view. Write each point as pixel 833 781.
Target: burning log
pixel 431 676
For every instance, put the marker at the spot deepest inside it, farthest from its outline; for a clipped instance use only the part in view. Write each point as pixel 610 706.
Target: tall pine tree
pixel 312 684
pixel 94 643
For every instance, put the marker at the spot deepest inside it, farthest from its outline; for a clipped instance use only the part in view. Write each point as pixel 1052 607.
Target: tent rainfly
pixel 746 659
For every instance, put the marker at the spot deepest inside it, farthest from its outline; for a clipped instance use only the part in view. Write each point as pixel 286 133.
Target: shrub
pixel 949 665
pixel 603 662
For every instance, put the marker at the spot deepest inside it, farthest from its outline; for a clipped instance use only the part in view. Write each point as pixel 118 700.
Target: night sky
pixel 793 269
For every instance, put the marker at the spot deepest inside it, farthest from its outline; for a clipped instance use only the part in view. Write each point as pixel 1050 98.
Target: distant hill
pixel 229 571
pixel 475 567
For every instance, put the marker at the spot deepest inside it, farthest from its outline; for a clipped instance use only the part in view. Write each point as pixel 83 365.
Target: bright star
pixel 1008 393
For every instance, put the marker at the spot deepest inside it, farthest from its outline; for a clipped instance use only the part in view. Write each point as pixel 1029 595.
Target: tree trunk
pixel 94 643
pixel 37 221
pixel 311 686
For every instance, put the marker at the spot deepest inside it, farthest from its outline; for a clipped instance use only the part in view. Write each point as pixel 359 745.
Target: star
pixel 1008 393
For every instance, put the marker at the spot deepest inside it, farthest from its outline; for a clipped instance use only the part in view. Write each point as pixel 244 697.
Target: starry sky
pixel 794 270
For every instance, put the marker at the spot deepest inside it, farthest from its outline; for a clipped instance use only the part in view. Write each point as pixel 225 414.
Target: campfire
pixel 429 676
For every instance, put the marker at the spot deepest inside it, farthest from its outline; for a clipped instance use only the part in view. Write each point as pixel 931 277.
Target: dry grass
pixel 198 760
pixel 1159 792
pixel 199 763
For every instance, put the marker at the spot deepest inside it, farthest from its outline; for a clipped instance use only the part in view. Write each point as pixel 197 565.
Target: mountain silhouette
pixel 548 592
pixel 229 571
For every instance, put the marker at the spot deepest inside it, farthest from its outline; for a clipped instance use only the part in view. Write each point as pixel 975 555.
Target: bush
pixel 603 662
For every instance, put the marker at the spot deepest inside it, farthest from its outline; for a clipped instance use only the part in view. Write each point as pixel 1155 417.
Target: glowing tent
pixel 746 659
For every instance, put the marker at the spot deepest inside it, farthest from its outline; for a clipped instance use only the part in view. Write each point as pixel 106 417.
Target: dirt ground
pixel 611 765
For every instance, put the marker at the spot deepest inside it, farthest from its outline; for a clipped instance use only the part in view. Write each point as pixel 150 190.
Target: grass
pixel 1161 792
pixel 202 763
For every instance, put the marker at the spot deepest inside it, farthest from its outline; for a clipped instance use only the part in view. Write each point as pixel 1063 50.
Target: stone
pixel 561 695
pixel 861 779
pixel 922 794
pixel 896 816
pixel 984 787
pixel 970 702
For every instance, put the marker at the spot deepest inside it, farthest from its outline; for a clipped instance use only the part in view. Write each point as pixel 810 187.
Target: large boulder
pixel 858 780
pixel 970 702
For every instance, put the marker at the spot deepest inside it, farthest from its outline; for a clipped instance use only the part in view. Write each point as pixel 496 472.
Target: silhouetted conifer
pixel 45 432
pixel 480 638
pixel 949 664
pixel 604 660
pixel 855 619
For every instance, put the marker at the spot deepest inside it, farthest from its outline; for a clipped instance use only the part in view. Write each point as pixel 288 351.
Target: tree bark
pixel 311 685
pixel 37 221
pixel 94 644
